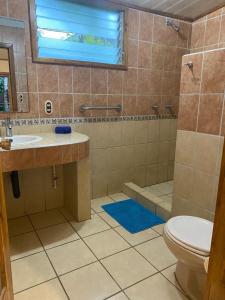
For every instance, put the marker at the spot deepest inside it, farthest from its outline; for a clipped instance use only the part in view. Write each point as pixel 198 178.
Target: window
pixel 73 32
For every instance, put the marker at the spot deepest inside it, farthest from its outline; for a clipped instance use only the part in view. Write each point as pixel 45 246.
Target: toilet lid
pixel 191 231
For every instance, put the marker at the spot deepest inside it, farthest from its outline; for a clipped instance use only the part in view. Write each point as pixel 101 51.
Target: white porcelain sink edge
pixel 24 139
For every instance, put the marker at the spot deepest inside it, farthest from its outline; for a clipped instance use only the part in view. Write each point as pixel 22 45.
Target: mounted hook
pixel 189 64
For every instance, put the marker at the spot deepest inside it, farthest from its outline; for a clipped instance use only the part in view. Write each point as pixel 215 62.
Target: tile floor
pixel 164 191
pixel 53 257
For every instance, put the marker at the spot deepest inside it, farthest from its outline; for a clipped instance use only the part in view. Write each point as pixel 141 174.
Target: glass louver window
pixel 75 31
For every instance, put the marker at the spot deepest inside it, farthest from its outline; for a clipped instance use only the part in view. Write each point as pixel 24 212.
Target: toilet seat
pixel 191 233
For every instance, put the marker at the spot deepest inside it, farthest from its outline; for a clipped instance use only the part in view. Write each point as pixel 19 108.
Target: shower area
pixel 189 146
pixel 155 188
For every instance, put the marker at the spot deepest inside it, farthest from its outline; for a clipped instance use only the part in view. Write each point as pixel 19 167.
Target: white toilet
pixel 189 239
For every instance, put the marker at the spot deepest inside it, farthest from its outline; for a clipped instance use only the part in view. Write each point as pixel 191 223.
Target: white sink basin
pixel 24 139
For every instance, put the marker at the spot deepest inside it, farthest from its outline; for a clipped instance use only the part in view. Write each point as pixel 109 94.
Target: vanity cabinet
pixel 6 292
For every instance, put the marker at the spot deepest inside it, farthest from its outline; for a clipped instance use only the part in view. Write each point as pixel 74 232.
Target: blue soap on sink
pixel 63 129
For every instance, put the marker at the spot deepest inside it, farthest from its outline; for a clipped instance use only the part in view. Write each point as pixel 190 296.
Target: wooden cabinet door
pixel 215 289
pixel 6 292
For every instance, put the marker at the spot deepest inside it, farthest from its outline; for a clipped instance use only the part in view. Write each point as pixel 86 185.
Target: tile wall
pixel 201 120
pixel 138 151
pixel 209 32
pixel 154 50
pixel 153 76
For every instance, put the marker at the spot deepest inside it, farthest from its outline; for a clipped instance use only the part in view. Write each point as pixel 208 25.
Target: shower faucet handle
pixel 189 64
pixel 156 109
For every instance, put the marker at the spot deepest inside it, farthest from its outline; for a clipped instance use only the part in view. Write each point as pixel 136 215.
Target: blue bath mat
pixel 132 215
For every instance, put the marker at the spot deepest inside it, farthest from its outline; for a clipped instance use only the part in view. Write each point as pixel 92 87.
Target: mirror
pixel 13 70
pixel 7 78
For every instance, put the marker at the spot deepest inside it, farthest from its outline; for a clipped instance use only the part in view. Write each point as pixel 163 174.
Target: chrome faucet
pixel 8 128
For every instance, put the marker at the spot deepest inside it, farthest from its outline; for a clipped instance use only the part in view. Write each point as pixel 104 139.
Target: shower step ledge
pixel 152 202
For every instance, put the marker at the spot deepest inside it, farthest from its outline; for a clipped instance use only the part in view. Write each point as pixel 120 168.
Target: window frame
pixel 98 3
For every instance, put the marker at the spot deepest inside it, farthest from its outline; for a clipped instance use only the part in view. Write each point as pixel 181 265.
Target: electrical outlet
pixel 20 98
pixel 48 107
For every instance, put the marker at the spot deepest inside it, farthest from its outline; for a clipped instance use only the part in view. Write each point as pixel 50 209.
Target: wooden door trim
pixel 5 266
pixel 215 288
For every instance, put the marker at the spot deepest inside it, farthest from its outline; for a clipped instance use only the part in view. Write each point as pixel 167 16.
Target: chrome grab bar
pixel 85 107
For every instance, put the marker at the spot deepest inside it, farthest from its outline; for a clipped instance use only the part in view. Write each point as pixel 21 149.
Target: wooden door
pixel 215 289
pixel 6 292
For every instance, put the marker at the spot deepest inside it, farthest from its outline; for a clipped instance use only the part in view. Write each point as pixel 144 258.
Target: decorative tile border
pixel 58 121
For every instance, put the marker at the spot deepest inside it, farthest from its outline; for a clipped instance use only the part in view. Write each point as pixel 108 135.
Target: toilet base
pixel 192 281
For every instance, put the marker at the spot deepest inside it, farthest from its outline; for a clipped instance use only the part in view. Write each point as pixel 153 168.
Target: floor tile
pixel 19 226
pixel 136 238
pixel 164 187
pixel 167 197
pixel 159 228
pixel 119 196
pixel 128 267
pixel 50 290
pixel 155 287
pixel 66 213
pixel 154 191
pixel 170 182
pixel 157 253
pixel 167 205
pixel 160 189
pixel 57 235
pixel 24 245
pixel 70 256
pixel 30 271
pixel 106 243
pixel 47 218
pixel 96 204
pixel 89 283
pixel 108 219
pixel 86 228
pixel 169 274
pixel 120 296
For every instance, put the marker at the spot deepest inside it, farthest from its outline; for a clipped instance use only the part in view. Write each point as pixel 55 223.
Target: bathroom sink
pixel 25 139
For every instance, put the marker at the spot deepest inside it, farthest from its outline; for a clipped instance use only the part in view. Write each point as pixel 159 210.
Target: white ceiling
pixel 184 9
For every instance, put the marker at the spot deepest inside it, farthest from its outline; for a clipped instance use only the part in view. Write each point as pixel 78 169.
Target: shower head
pixel 172 24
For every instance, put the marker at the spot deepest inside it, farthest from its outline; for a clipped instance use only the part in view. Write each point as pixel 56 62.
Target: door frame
pixel 215 288
pixel 5 266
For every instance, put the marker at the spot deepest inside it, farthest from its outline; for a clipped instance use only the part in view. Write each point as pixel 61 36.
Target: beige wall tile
pixel 183 181
pixel 128 133
pixel 203 191
pixel 184 146
pixel 153 153
pixel 140 154
pixel 162 172
pixel 140 132
pixel 127 157
pixel 115 134
pixel 164 130
pixel 113 159
pixel 99 161
pixel 99 185
pixel 140 175
pixel 152 174
pixel 206 152
pixel 153 131
pixel 198 158
pixel 164 152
